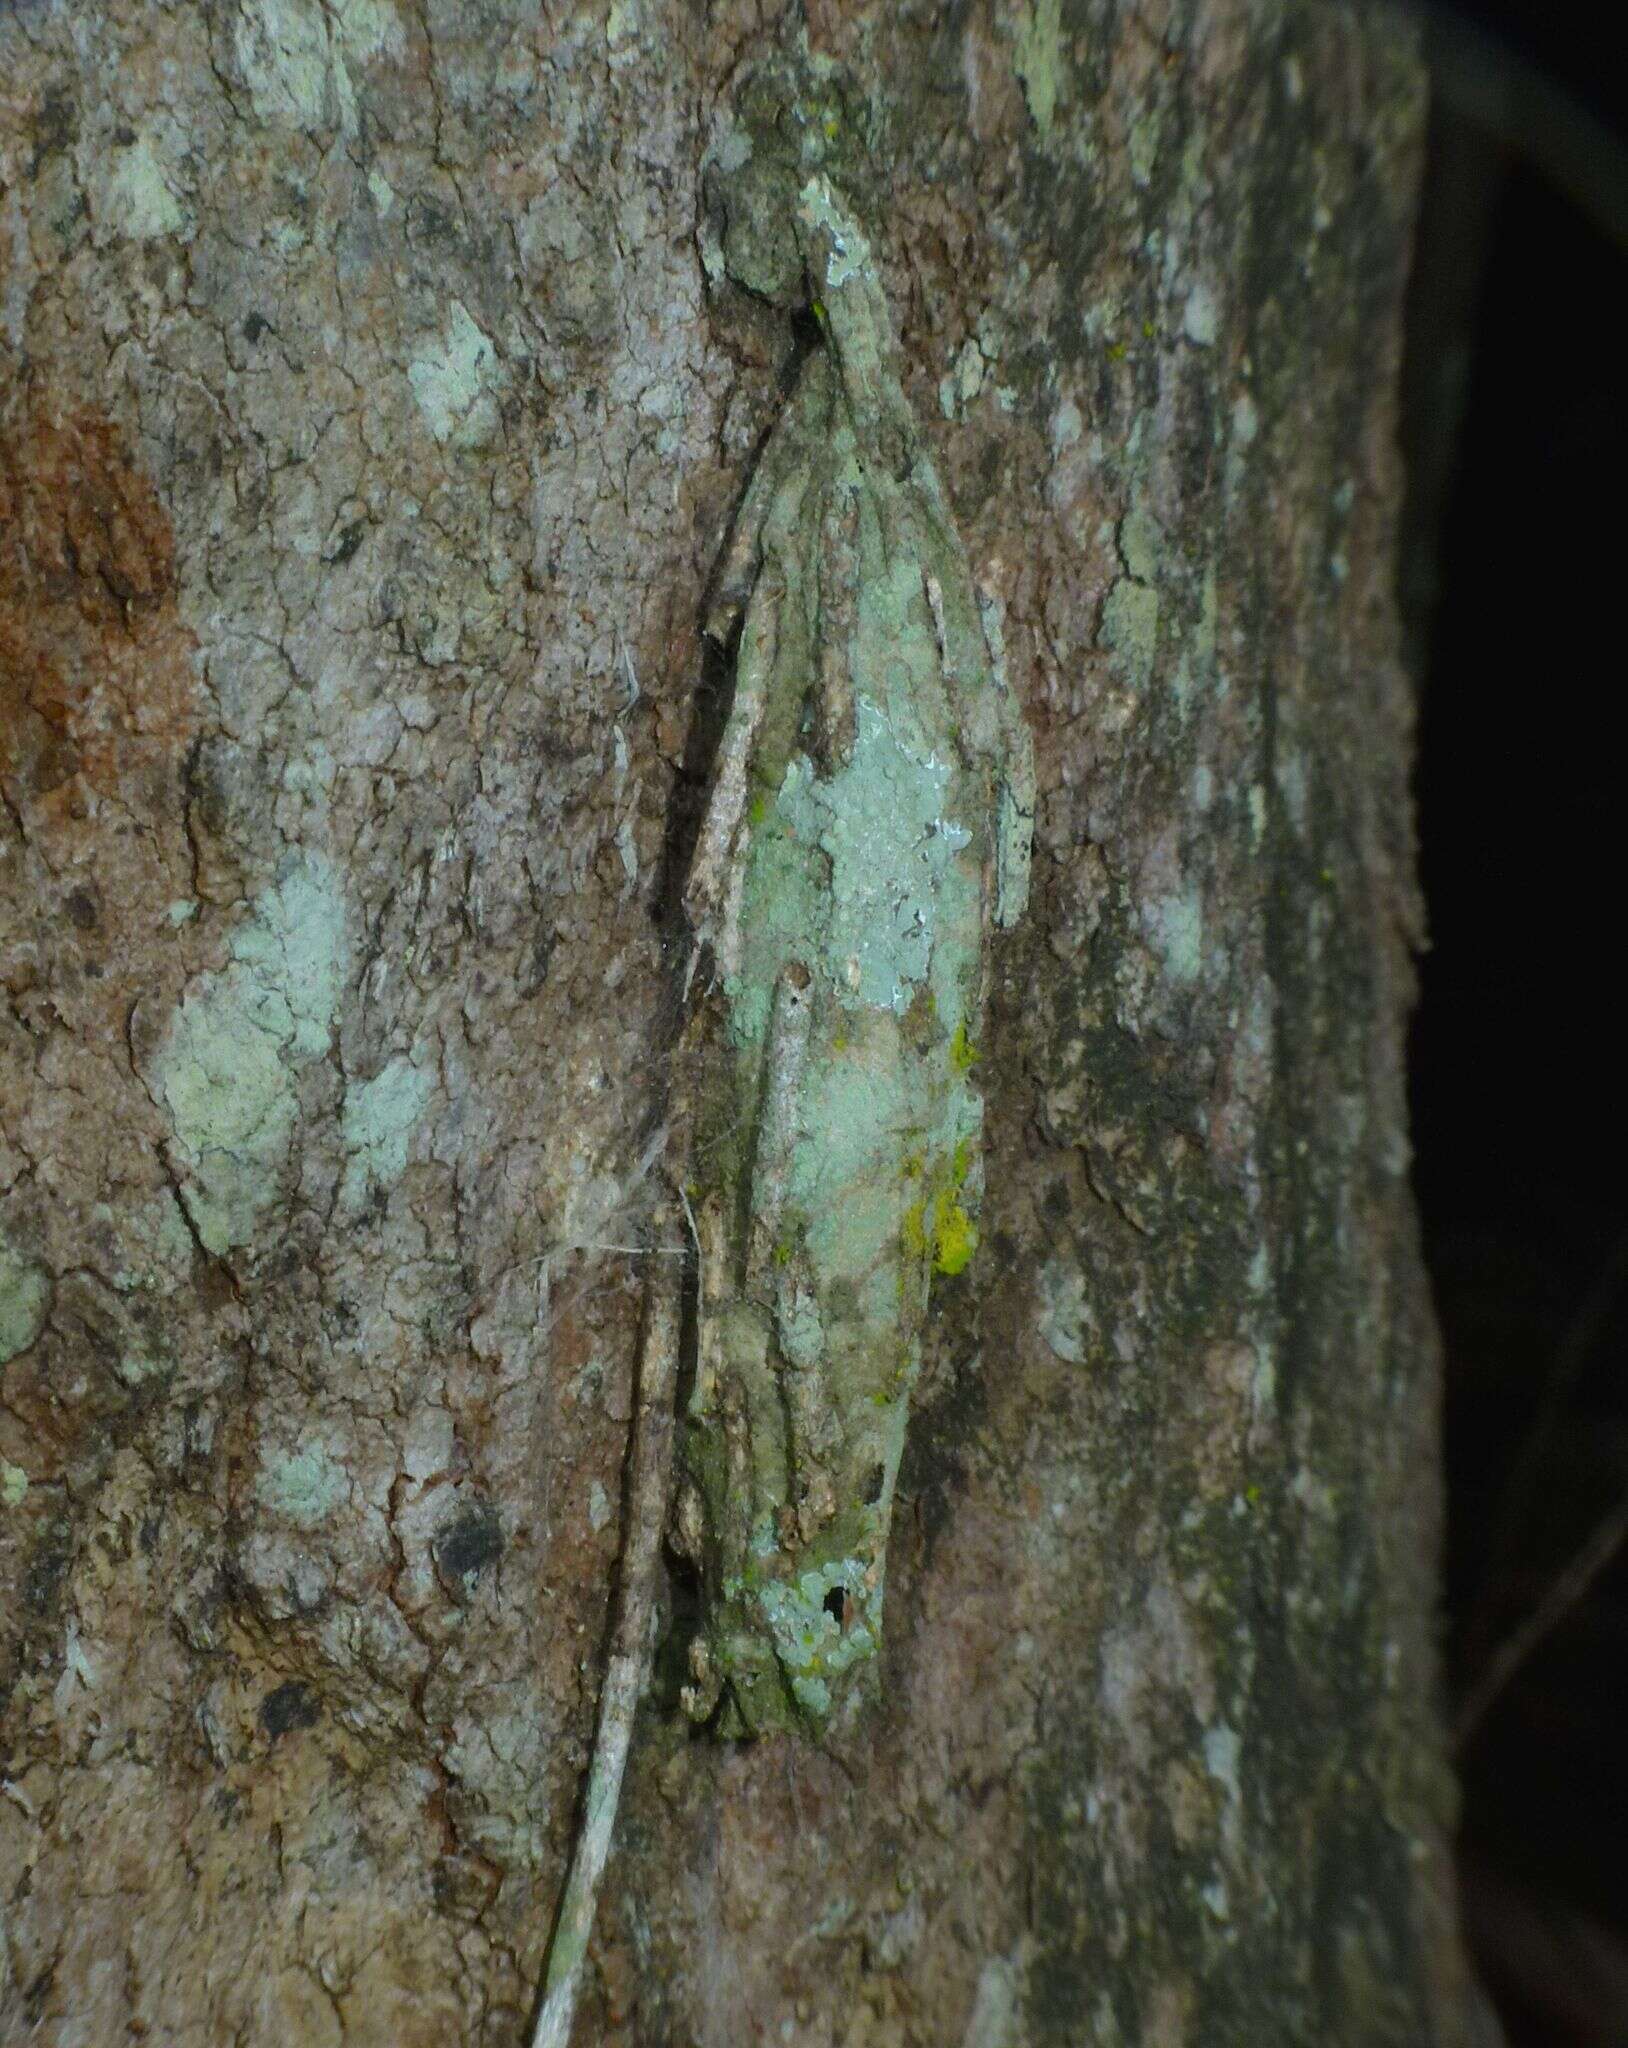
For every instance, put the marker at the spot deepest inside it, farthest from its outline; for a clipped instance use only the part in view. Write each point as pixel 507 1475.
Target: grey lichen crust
pixel 869 827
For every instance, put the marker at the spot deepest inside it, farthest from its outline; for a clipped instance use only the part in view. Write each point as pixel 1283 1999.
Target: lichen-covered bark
pixel 366 440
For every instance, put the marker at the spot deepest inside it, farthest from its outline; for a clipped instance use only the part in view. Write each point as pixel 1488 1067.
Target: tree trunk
pixel 371 432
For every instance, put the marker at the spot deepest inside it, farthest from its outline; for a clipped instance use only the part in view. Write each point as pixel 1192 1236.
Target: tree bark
pixel 369 436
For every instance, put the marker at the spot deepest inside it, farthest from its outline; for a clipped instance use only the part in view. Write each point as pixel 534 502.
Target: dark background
pixel 1515 597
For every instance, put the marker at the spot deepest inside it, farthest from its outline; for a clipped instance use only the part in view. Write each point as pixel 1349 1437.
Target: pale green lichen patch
pixel 1141 544
pixel 368 28
pixel 225 1069
pixel 25 1295
pixel 304 1486
pixel 813 1644
pixel 292 952
pixel 801 1333
pixel 1130 625
pixel 377 1127
pixel 137 1363
pixel 1201 316
pixel 13 1485
pixel 1222 1750
pixel 1245 426
pixel 892 853
pixel 453 378
pixel 996 2020
pixel 135 196
pixel 232 1106
pixel 1174 924
pixel 295 56
pixel 965 380
pixel 1037 58
pixel 282 51
pixel 881 1167
pixel 1064 1309
pixel 1146 126
pixel 155 1246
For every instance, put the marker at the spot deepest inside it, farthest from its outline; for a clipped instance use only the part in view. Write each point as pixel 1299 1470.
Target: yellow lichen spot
pixel 782 1253
pixel 938 1227
pixel 955 1235
pixel 1116 351
pixel 759 810
pixel 963 1053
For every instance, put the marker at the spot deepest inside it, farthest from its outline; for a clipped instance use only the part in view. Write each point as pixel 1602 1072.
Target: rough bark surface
pixel 367 437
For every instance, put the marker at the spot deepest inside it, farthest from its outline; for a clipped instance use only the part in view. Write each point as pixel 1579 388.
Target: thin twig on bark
pixel 629 1660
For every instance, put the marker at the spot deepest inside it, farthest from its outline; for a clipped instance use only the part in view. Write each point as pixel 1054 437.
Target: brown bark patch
pixel 96 686
pixel 98 705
